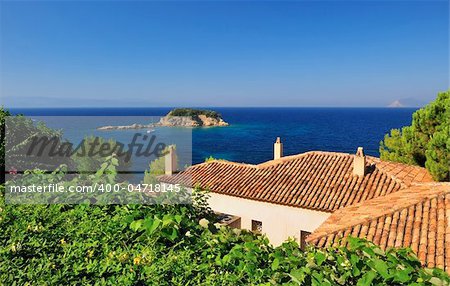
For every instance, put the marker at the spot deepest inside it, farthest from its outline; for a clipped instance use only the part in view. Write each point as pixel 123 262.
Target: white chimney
pixel 277 149
pixel 170 164
pixel 359 163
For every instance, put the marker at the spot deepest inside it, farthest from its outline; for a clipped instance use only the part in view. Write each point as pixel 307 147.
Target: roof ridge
pixel 272 162
pixel 296 156
pixel 428 194
pixel 223 161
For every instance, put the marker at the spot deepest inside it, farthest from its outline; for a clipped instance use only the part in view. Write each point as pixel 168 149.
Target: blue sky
pixel 211 53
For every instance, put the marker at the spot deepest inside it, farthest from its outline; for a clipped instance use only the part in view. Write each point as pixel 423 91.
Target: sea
pixel 252 131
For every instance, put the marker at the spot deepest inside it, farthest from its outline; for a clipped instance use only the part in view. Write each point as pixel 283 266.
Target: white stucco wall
pixel 278 222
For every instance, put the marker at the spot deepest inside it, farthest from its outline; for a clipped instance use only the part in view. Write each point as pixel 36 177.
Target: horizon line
pixel 194 107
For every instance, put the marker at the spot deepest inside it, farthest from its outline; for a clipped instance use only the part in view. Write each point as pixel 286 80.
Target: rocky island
pixel 188 117
pixel 179 117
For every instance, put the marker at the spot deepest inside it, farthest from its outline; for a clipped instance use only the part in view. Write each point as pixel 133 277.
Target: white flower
pixel 188 234
pixel 204 222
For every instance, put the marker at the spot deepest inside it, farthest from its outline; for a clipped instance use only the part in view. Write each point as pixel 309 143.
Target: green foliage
pixel 3 114
pixel 438 155
pixel 194 113
pixel 210 158
pixel 86 163
pixel 106 174
pixel 426 142
pixel 21 132
pixel 179 245
pixel 157 167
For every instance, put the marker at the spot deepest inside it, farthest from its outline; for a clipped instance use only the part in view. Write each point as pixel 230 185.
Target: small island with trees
pixel 188 117
pixel 180 117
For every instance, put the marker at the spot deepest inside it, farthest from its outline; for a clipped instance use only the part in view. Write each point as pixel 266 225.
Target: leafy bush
pixel 426 142
pixel 179 245
pixel 87 163
pixel 21 132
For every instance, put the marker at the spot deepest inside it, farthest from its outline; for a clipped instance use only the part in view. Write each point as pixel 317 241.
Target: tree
pixel 438 155
pixel 88 163
pixel 19 134
pixel 194 113
pixel 426 142
pixel 3 114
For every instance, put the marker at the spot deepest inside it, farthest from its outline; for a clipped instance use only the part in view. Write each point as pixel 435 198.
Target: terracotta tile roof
pixel 417 217
pixel 315 180
pixel 405 174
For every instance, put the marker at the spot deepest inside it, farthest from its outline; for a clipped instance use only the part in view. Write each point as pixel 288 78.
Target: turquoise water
pixel 252 131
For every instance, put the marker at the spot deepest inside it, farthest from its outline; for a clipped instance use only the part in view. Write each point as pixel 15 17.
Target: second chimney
pixel 277 149
pixel 359 163
pixel 170 161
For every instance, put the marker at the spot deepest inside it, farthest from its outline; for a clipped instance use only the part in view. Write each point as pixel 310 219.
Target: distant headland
pixel 179 117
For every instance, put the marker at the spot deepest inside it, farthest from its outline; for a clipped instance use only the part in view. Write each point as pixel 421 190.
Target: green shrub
pixel 21 133
pixel 194 112
pixel 179 245
pixel 426 142
pixel 87 163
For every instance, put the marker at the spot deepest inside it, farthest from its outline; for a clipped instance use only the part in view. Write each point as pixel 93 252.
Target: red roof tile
pixel 321 181
pixel 417 217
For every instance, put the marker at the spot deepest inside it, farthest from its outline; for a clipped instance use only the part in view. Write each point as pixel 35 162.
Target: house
pixel 319 197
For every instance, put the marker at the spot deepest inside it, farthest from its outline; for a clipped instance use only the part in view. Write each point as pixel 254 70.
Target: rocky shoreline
pixel 125 127
pixel 191 121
